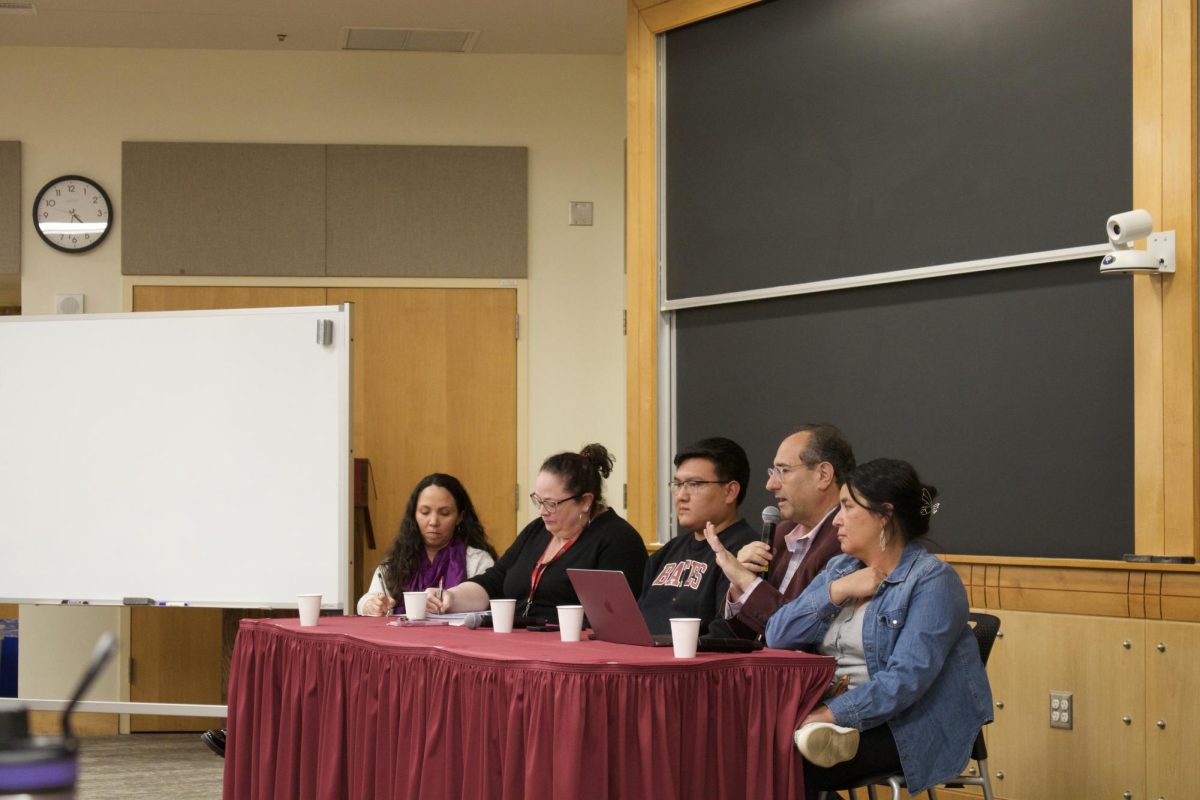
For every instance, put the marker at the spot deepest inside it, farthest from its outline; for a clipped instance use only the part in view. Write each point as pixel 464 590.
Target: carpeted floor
pixel 148 765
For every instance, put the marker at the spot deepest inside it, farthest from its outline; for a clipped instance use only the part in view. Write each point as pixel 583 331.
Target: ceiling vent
pixel 411 40
pixel 17 8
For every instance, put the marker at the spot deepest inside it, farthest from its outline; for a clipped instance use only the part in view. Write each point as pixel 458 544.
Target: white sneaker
pixel 825 744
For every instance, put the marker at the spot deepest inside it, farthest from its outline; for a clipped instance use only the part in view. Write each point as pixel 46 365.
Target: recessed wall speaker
pixel 68 304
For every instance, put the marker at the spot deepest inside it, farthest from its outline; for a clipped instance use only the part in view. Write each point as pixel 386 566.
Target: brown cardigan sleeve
pixel 764 601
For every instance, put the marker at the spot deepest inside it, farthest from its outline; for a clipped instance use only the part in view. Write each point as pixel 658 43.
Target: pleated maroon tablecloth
pixel 356 709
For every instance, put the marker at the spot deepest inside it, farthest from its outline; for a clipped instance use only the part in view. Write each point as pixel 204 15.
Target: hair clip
pixel 928 507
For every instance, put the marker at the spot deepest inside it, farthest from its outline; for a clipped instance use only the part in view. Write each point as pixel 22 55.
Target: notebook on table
pixel 611 609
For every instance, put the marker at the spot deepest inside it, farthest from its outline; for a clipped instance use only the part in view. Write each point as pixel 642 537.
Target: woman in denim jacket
pixel 909 674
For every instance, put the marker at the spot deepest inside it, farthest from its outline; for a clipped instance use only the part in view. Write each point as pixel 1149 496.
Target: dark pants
pixel 876 755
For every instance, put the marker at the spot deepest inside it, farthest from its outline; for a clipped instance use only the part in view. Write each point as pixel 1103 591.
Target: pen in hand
pixel 383 602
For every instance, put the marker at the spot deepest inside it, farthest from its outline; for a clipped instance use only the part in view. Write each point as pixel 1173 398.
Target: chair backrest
pixel 985 626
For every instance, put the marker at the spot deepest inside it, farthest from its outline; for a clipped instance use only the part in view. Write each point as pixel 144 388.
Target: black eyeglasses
pixel 550 505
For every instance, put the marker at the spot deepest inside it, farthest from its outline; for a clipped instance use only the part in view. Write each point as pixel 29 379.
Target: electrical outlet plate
pixel 580 212
pixel 1062 710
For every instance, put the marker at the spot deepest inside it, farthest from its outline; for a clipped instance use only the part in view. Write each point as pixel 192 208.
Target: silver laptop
pixel 611 608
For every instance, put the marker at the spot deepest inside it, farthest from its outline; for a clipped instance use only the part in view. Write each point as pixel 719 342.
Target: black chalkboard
pixel 830 138
pixel 1017 405
pixel 815 139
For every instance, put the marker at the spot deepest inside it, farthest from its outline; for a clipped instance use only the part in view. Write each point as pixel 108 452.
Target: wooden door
pixel 434 390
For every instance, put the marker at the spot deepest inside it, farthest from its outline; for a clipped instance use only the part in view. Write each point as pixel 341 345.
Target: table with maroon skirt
pixel 355 708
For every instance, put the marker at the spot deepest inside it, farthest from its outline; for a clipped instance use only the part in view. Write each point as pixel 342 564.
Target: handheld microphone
pixel 770 518
pixel 477 619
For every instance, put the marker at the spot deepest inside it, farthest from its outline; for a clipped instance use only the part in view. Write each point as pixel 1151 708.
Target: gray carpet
pixel 148 765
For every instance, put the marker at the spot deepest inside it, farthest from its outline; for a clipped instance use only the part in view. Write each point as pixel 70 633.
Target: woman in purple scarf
pixel 441 543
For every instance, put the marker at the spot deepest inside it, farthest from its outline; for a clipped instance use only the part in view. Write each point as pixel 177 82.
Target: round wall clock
pixel 72 214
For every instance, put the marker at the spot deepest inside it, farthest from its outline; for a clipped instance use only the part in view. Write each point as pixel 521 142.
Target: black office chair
pixel 985 627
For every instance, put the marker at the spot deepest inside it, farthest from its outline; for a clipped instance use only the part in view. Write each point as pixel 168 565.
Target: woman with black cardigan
pixel 574 530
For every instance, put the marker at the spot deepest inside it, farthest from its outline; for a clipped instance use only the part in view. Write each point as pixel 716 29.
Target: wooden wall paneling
pixel 1137 595
pixel 222 209
pixel 1181 452
pixel 1179 598
pixel 422 211
pixel 1101 756
pixel 1154 595
pixel 11 213
pixel 1172 687
pixel 49 723
pixel 991 586
pixel 175 661
pixel 1026 599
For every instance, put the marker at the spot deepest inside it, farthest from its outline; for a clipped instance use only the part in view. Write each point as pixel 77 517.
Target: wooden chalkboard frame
pixel 869 248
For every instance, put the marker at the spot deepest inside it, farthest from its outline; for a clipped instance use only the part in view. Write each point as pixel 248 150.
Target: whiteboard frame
pixel 334 574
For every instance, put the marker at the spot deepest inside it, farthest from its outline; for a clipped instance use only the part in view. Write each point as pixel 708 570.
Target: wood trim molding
pixel 662 17
pixel 1179 313
pixel 641 278
pixel 1079 586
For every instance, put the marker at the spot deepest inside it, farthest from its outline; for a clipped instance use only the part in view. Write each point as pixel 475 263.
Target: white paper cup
pixel 310 609
pixel 570 622
pixel 414 605
pixel 685 631
pixel 503 612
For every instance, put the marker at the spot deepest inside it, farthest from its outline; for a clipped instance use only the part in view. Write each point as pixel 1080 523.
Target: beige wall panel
pixel 11 217
pixel 1101 756
pixel 411 211
pixel 222 209
pixel 1172 689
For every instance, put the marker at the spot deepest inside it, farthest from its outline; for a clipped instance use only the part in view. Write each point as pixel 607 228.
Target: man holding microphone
pixel 805 478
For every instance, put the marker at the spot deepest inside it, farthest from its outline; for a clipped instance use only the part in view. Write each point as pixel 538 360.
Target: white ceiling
pixel 592 27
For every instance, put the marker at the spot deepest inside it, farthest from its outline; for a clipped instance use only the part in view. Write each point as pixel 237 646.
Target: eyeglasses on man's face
pixel 780 471
pixel 690 486
pixel 550 505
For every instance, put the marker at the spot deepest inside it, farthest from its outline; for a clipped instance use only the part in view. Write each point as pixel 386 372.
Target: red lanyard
pixel 540 568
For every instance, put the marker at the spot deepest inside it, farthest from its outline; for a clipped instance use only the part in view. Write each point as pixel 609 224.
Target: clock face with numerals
pixel 72 214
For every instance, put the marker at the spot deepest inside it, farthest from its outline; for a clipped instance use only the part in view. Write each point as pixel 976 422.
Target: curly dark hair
pixel 401 561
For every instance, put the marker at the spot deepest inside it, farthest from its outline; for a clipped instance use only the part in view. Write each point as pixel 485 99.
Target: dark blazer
pixel 765 600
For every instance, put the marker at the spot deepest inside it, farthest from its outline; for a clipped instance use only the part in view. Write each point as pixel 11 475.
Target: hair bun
pixel 598 456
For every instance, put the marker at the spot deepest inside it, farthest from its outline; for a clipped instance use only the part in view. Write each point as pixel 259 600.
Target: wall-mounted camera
pixel 1129 227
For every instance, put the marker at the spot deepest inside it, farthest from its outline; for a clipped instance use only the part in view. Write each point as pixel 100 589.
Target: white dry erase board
pixel 197 456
